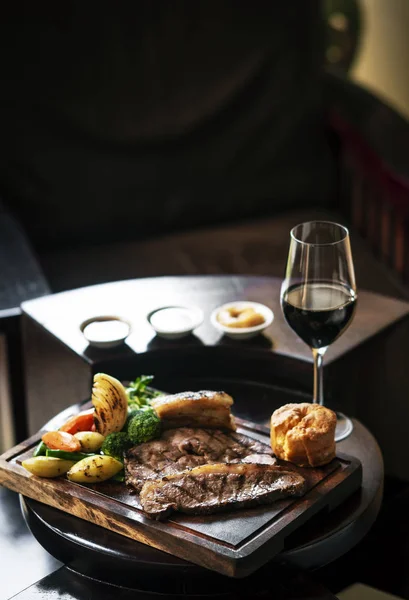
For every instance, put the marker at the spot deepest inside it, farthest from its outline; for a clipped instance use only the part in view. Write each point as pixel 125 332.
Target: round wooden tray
pixel 97 552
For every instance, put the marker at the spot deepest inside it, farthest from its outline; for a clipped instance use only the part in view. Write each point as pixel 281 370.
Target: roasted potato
pixel 46 466
pixel 90 441
pixel 94 469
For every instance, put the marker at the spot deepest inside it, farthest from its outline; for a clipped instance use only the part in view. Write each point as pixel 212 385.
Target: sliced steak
pixel 213 488
pixel 184 448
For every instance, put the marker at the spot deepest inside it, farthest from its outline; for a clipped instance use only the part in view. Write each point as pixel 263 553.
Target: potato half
pixel 47 466
pixel 94 469
pixel 90 441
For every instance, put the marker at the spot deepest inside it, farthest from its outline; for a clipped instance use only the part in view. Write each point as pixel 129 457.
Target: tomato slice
pixel 81 422
pixel 61 440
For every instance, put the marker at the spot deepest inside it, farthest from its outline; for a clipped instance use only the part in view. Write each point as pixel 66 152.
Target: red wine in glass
pixel 318 294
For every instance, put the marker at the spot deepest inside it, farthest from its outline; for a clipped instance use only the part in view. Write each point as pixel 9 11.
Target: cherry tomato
pixel 61 440
pixel 82 422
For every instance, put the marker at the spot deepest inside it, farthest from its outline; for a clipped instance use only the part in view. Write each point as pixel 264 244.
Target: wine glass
pixel 318 295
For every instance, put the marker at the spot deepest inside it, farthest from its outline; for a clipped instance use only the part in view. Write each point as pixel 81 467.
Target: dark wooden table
pixel 364 367
pixel 61 314
pixel 60 365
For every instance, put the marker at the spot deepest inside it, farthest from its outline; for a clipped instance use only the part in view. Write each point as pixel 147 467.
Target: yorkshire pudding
pixel 304 434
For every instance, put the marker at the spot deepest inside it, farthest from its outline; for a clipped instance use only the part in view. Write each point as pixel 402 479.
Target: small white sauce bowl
pixel 242 333
pixel 175 321
pixel 105 331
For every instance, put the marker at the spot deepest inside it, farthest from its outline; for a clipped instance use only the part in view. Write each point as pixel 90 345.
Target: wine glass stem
pixel 318 354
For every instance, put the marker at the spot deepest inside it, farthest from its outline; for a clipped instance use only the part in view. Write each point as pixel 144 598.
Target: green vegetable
pixel 40 450
pixel 138 392
pixel 116 444
pixel 144 426
pixel 132 412
pixel 75 456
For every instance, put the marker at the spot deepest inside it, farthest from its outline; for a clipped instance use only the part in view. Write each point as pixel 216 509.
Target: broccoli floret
pixel 132 412
pixel 143 426
pixel 116 444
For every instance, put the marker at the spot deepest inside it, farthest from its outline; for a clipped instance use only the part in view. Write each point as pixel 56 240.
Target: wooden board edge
pixel 264 547
pixel 233 562
pixel 88 509
pixel 21 447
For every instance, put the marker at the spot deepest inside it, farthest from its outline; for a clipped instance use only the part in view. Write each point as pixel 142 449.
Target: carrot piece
pixel 61 440
pixel 82 422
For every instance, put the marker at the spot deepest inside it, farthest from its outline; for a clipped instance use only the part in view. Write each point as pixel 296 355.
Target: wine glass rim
pixel 342 227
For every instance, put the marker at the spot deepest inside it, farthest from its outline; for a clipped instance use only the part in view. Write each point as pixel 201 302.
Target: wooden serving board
pixel 236 543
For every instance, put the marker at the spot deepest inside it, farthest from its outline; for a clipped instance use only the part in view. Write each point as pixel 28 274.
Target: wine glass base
pixel 343 428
